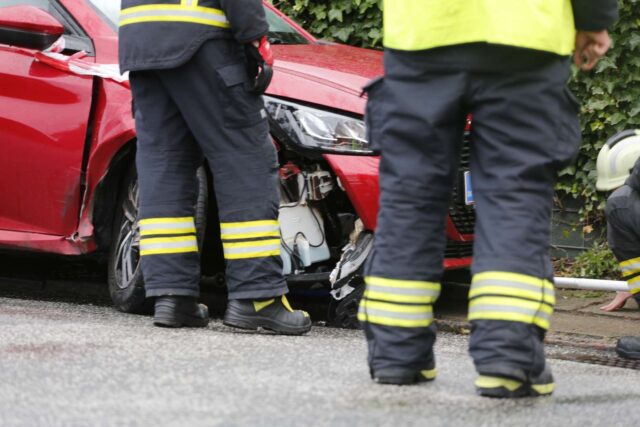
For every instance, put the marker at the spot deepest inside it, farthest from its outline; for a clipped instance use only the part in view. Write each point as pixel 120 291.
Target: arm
pixel 247 18
pixel 592 18
pixel 594 15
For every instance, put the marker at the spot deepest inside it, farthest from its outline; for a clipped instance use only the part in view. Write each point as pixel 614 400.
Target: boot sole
pixel 179 322
pixel 253 323
pixel 409 379
pixel 628 354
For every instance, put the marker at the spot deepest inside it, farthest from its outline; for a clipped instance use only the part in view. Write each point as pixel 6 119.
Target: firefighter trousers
pixel 200 110
pixel 524 130
pixel 623 234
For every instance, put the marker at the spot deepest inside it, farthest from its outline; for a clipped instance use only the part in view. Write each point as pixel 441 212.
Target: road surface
pixel 66 363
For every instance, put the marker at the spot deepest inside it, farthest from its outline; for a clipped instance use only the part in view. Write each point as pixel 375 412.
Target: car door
pixel 43 130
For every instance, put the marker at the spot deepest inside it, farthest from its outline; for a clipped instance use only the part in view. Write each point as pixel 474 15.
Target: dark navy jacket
pixel 163 34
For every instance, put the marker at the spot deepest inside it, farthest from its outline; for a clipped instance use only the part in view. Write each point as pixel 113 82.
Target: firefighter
pixel 197 72
pixel 507 63
pixel 618 169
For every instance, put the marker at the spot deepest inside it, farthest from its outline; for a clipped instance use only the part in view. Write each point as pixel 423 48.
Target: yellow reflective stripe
pixel 404 284
pixel 630 262
pixel 534 306
pixel 252 244
pixel 389 321
pixel 249 229
pixel 253 255
pixel 510 317
pixel 513 277
pixel 513 292
pixel 170 18
pixel 229 225
pixel 241 236
pixel 157 231
pixel 167 220
pixel 386 296
pixel 396 308
pixel 170 8
pixel 174 13
pixel 484 381
pixel 168 245
pixel 167 225
pixel 168 251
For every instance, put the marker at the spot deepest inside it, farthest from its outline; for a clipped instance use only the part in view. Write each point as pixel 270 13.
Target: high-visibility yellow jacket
pixel 546 25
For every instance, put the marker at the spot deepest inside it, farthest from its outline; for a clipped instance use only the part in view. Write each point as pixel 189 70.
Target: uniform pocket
pixel 568 128
pixel 242 108
pixel 374 112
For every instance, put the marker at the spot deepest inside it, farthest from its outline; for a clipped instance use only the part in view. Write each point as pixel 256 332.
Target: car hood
pixel 326 75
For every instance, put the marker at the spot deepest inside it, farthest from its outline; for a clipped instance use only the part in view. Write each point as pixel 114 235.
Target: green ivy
pixel 610 95
pixel 355 22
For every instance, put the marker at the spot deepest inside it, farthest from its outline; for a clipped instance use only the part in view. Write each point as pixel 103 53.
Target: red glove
pixel 260 62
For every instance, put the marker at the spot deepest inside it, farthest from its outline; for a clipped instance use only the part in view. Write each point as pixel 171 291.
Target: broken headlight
pixel 318 129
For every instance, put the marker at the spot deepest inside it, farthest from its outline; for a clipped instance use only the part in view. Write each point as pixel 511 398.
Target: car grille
pixel 463 216
pixel 458 249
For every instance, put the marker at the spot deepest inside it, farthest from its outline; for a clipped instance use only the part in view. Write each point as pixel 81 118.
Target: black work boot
pixel 402 376
pixel 274 314
pixel 629 347
pixel 179 311
pixel 488 385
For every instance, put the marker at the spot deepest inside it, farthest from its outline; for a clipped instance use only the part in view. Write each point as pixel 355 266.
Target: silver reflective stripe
pixel 255 247
pixel 254 229
pixel 403 291
pixel 630 268
pixel 393 314
pixel 154 245
pixel 169 226
pixel 634 285
pixel 139 15
pixel 508 309
pixel 505 283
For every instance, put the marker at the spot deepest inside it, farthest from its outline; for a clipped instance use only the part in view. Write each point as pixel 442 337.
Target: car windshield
pixel 280 32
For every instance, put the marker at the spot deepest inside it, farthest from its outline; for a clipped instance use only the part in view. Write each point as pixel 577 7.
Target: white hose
pixel 591 284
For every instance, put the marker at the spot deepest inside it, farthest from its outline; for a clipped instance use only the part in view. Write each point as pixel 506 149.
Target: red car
pixel 67 180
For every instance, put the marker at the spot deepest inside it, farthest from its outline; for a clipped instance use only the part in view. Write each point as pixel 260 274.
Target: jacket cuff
pixel 594 15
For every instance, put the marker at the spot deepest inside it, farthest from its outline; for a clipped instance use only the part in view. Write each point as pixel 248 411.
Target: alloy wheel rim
pixel 128 253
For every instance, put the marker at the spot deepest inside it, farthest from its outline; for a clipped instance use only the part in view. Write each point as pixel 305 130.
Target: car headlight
pixel 318 129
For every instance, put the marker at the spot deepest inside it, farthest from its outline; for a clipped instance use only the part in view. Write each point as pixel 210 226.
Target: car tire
pixel 344 313
pixel 126 284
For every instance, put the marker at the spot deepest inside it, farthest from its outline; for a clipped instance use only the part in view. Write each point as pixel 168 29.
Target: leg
pixel 420 143
pixel 166 160
pixel 623 210
pixel 230 126
pixel 525 129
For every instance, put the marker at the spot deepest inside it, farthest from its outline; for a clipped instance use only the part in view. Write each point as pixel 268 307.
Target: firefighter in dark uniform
pixel 507 63
pixel 618 169
pixel 197 71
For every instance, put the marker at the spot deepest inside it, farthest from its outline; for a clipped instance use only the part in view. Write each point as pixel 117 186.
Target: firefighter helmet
pixel 616 159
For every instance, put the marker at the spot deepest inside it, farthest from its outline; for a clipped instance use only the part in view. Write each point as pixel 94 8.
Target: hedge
pixel 610 95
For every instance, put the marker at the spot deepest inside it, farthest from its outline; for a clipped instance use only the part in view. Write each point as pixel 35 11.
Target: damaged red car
pixel 67 138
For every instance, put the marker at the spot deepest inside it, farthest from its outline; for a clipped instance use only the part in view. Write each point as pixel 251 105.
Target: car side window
pixel 42 4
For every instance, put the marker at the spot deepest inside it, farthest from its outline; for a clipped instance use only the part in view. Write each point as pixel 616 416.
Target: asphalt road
pixel 76 364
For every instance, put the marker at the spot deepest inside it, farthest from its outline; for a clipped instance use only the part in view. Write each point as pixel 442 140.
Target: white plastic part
pixel 591 284
pixel 300 230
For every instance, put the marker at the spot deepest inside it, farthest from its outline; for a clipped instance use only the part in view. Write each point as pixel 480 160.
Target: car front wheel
pixel 126 284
